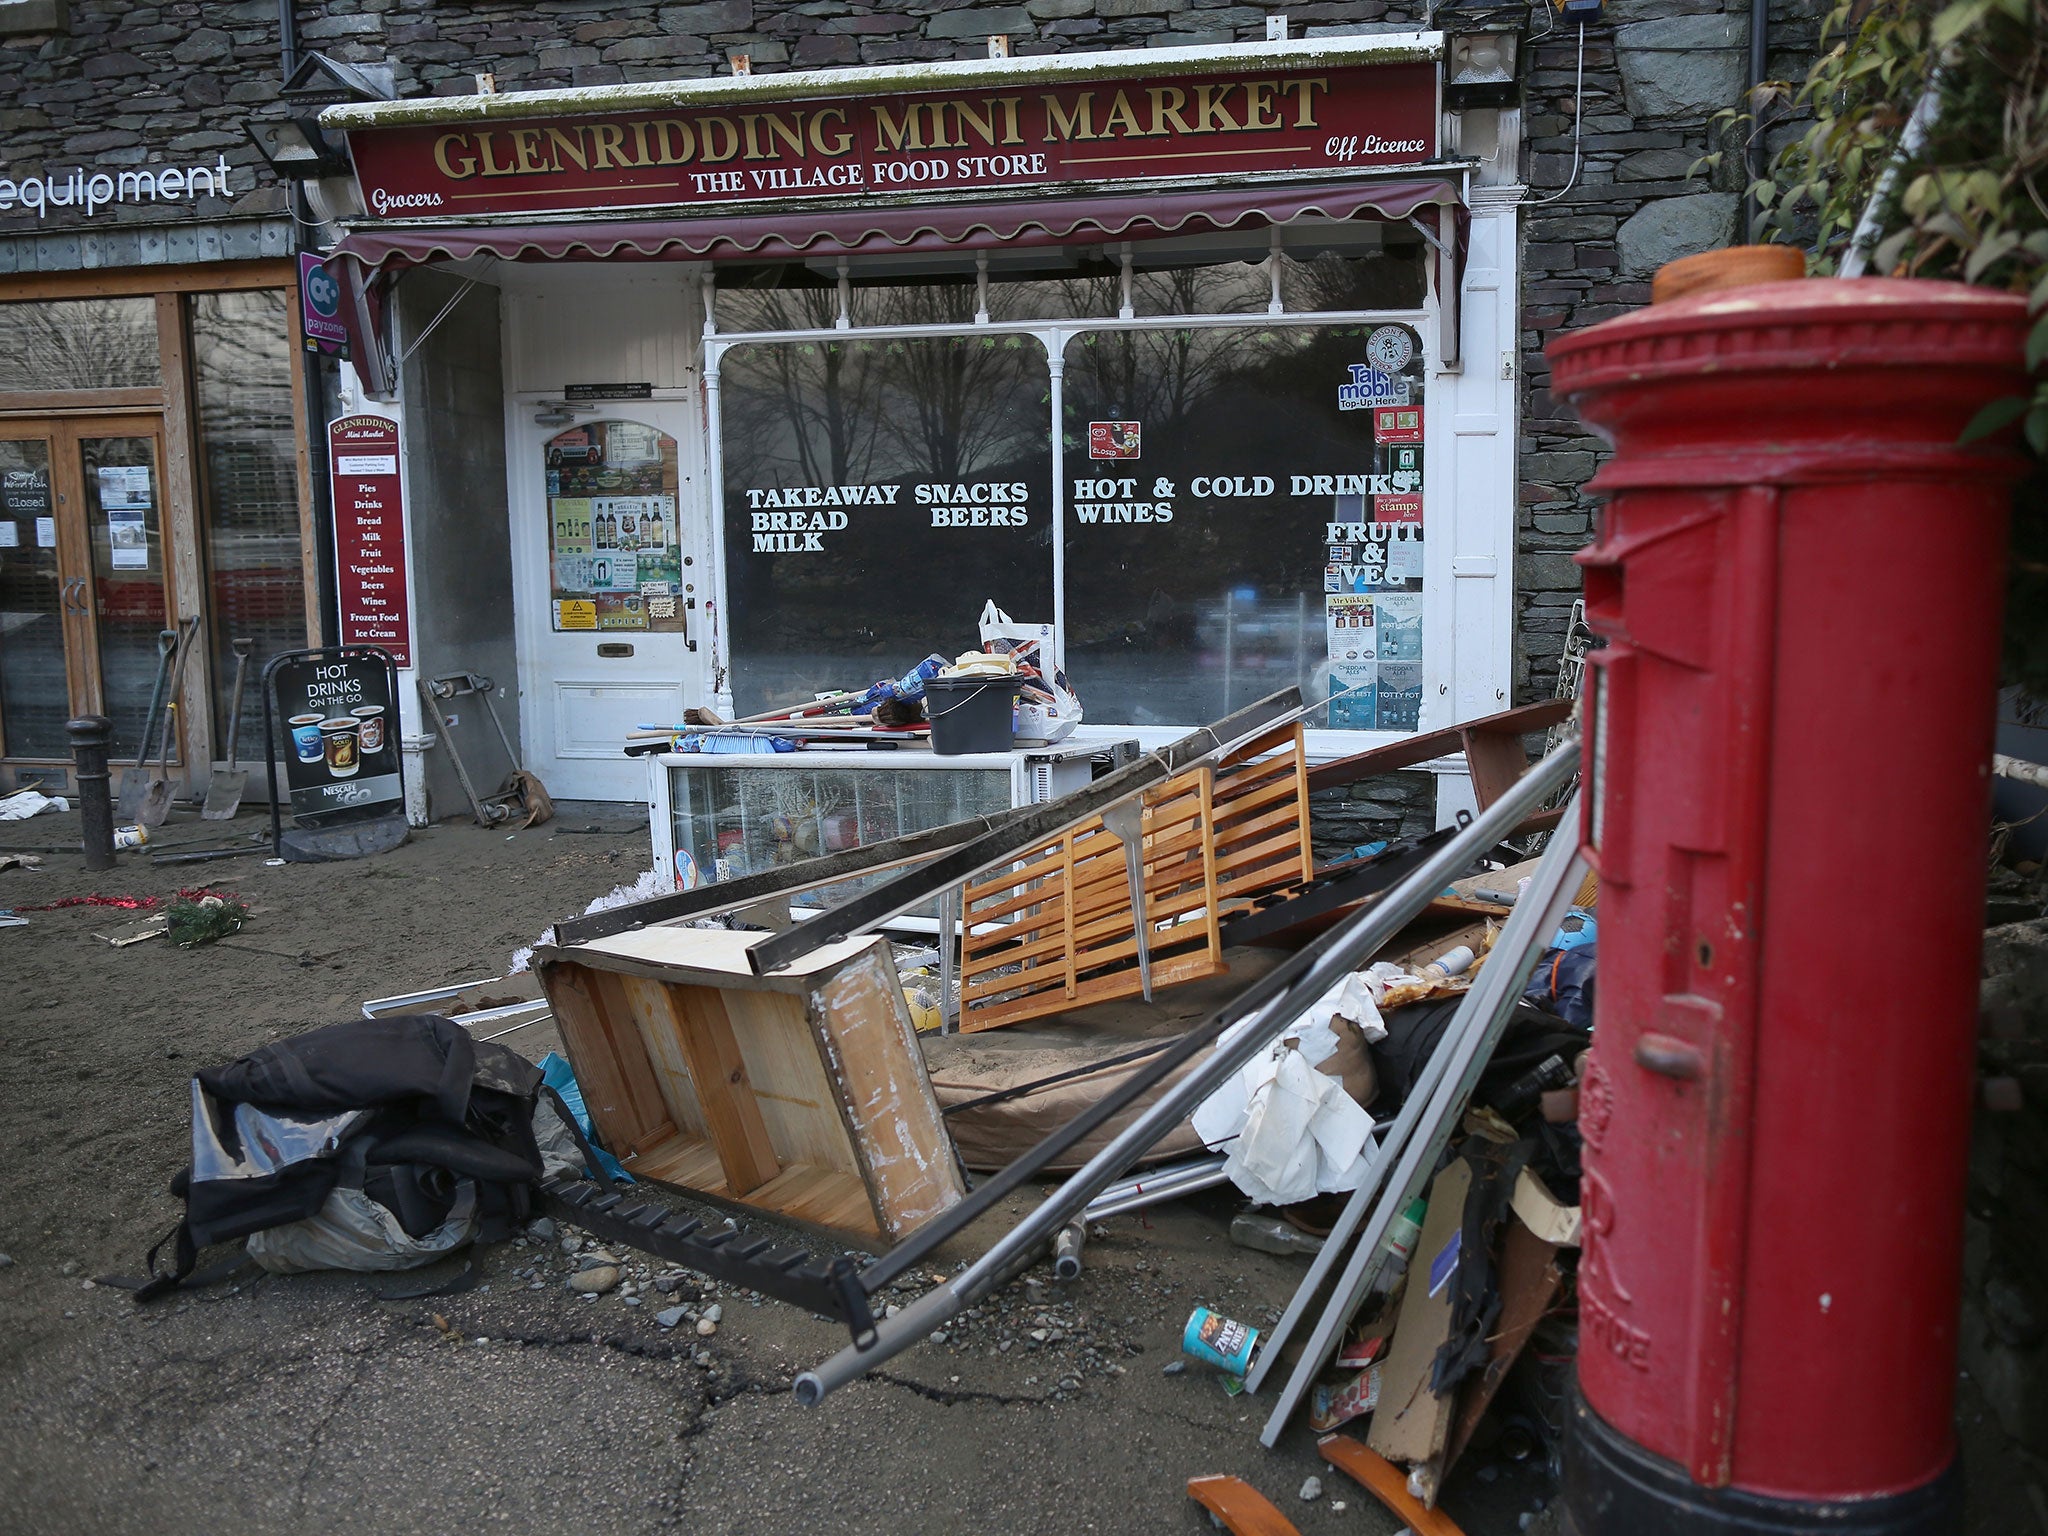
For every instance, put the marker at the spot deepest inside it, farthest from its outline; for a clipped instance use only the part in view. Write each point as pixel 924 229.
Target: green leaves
pixel 1995 417
pixel 1958 19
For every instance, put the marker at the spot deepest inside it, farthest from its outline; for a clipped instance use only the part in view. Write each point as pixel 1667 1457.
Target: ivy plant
pixel 1968 205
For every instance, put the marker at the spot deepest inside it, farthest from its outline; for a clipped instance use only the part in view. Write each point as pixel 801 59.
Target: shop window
pixel 876 493
pixel 249 492
pixel 79 344
pixel 1244 512
pixel 34 701
pixel 774 298
pixel 615 546
pixel 1226 288
pixel 917 302
pixel 1343 267
pixel 1091 289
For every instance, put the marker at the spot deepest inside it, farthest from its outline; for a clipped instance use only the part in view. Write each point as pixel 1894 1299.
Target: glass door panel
pixel 120 491
pixel 34 687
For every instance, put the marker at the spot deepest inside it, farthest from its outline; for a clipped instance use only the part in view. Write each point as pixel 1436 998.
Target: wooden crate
pixel 802 1092
pixel 1054 930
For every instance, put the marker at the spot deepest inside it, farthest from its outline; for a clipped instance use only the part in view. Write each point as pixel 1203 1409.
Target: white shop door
pixel 610 524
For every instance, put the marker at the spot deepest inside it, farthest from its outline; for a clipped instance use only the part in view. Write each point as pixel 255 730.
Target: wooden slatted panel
pixel 1053 930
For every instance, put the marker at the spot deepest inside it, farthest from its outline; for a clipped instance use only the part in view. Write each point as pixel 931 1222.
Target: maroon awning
pixel 812 232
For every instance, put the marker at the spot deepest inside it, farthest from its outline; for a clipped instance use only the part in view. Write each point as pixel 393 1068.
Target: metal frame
pixel 786 1271
pixel 1423 1128
pixel 1267 1007
pixel 827 869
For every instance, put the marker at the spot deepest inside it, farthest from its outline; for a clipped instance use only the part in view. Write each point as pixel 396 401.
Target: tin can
pixel 130 837
pixel 1220 1341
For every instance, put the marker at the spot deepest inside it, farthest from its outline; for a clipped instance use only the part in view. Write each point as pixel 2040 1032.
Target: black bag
pixel 410 1109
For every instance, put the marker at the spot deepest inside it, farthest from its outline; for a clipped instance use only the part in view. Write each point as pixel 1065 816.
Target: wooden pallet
pixel 1054 930
pixel 801 1092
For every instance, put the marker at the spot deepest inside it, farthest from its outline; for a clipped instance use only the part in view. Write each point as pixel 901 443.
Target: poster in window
pixel 127 539
pixel 1348 622
pixel 1399 700
pixel 124 487
pixel 1398 620
pixel 1354 696
pixel 613 490
pixel 571 515
pixel 621 610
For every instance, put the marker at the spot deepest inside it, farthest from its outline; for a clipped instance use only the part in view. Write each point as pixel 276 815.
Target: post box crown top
pixel 1812 323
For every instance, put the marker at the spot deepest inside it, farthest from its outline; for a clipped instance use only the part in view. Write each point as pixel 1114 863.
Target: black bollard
pixel 91 735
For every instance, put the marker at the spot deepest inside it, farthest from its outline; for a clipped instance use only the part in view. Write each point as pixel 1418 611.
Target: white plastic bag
pixel 1290 1131
pixel 352 1231
pixel 1038 723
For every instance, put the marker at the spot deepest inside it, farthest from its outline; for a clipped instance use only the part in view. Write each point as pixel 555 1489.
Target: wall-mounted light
pixel 1482 54
pixel 297 149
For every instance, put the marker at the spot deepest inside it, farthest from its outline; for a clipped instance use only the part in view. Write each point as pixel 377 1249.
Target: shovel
pixel 156 802
pixel 224 794
pixel 135 781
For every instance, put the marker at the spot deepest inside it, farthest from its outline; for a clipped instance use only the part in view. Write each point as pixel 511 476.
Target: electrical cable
pixel 1578 125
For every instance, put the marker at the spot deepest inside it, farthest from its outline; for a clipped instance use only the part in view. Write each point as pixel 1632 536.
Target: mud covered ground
pixel 312 1404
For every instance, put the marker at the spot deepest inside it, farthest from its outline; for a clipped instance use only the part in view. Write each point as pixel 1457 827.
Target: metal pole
pixel 1157 1185
pixel 1264 1014
pixel 91 736
pixel 1492 998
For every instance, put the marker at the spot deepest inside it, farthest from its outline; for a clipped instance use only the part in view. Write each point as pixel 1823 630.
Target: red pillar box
pixel 1799 574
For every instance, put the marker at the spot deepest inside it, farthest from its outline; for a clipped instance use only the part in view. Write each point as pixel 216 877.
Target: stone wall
pixel 1656 73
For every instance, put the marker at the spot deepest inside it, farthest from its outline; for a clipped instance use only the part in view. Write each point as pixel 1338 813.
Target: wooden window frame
pixel 174 406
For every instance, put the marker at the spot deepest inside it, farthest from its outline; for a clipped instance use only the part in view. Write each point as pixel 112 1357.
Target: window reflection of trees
pixel 79 344
pixel 858 412
pixel 241 377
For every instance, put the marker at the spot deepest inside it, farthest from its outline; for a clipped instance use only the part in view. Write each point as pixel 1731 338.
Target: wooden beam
pixel 1239 1507
pixel 183 540
pixel 192 277
pixel 732 1115
pixel 79 402
pixel 578 1007
pixel 1413 751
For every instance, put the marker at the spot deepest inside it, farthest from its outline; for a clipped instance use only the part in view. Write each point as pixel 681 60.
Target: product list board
pixel 369 534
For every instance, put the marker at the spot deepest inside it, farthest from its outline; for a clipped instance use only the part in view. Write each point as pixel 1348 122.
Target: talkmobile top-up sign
pixel 999 133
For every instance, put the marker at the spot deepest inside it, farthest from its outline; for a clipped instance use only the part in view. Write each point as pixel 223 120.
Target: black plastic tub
pixel 971 714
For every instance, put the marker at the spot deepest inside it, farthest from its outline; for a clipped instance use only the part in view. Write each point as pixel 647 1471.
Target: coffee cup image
pixel 370 733
pixel 306 737
pixel 341 742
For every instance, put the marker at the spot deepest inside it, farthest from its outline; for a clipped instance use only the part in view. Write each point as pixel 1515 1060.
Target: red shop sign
pixel 990 136
pixel 369 534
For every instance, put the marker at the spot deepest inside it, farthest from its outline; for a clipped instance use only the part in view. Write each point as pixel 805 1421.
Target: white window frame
pixel 1443 556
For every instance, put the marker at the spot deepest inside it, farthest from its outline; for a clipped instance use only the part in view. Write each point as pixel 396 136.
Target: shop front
pixel 152 470
pixel 1197 354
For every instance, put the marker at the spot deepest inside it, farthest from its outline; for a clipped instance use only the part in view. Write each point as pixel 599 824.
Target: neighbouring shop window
pixel 34 693
pixel 79 344
pixel 876 493
pixel 124 523
pixel 613 537
pixel 1244 512
pixel 249 493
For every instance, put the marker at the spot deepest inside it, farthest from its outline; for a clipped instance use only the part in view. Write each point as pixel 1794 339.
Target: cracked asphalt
pixel 309 1403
